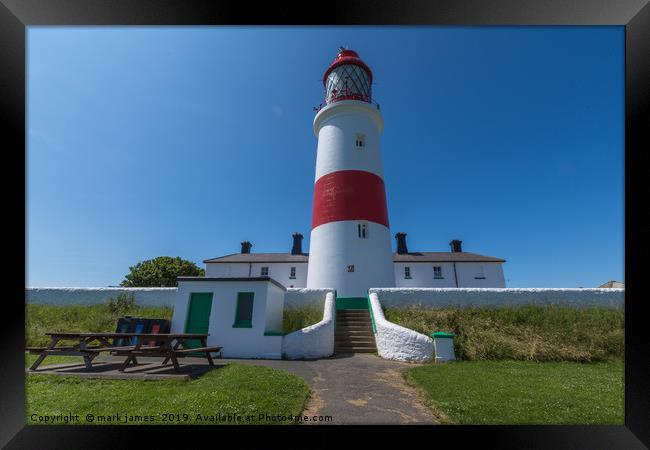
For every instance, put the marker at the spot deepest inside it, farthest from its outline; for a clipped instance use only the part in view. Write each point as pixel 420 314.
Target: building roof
pixel 259 257
pixel 246 279
pixel 443 257
pixel 612 284
pixel 397 257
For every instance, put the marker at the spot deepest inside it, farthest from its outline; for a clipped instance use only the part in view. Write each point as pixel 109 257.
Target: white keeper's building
pixel 455 268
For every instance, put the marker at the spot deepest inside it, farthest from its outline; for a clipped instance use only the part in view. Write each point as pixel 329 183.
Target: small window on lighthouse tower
pixel 361 140
pixel 362 229
pixel 407 272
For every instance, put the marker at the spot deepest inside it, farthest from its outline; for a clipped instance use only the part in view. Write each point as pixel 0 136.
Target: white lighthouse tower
pixel 350 245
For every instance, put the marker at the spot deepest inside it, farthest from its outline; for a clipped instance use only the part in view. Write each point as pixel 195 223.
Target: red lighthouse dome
pixel 347 78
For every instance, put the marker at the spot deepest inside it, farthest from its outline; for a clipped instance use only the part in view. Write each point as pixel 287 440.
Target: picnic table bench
pixel 167 345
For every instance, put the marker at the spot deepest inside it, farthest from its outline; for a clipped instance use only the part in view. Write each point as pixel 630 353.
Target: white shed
pixel 242 315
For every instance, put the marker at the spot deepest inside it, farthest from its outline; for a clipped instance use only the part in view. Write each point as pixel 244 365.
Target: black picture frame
pixel 634 15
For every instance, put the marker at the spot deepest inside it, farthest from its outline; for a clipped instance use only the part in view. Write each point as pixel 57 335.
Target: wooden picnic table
pixel 168 345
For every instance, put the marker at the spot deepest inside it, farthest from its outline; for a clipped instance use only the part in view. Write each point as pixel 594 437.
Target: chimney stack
pixel 401 243
pixel 455 246
pixel 246 247
pixel 297 244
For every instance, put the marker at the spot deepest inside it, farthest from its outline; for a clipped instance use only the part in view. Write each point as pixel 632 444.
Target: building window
pixel 481 274
pixel 292 273
pixel 361 141
pixel 264 272
pixel 362 230
pixel 437 272
pixel 244 311
pixel 351 268
pixel 407 272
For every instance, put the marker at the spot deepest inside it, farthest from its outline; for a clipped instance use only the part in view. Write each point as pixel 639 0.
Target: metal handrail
pixel 324 104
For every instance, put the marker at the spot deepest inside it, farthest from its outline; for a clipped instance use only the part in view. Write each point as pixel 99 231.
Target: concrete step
pixel 357 323
pixel 355 349
pixel 356 331
pixel 356 335
pixel 365 328
pixel 355 342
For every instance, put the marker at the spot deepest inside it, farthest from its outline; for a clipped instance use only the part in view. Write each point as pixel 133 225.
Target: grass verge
pixel 527 333
pixel 296 318
pixel 80 318
pixel 249 394
pixel 100 318
pixel 519 392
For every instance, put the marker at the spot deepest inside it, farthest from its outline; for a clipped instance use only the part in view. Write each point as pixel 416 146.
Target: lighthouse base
pixel 340 259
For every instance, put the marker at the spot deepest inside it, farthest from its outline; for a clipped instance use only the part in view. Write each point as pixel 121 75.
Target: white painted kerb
pixel 397 342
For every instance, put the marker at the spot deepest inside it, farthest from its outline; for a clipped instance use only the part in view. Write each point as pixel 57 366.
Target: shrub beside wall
pixel 530 333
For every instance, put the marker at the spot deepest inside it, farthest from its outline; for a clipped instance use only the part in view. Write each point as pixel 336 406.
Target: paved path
pixel 356 389
pixel 352 389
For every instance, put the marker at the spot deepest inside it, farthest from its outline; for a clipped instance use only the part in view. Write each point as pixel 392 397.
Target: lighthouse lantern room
pixel 350 245
pixel 347 78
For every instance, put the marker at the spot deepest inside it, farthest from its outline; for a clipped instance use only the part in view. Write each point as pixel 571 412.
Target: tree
pixel 160 272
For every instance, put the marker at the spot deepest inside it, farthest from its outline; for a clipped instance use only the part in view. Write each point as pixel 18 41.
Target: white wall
pixel 494 297
pixel 422 274
pixel 468 273
pixel 96 295
pixel 280 272
pixel 274 308
pixel 296 298
pixel 236 342
pixel 397 342
pixel 315 341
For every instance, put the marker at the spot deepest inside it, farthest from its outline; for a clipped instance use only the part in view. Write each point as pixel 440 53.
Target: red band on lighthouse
pixel 349 195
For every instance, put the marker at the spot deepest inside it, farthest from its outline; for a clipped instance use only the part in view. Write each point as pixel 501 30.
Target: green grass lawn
pixel 296 318
pixel 80 318
pixel 525 333
pixel 236 389
pixel 519 392
pixel 52 359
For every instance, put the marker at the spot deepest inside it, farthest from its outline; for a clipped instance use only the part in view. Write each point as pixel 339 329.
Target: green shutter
pixel 244 313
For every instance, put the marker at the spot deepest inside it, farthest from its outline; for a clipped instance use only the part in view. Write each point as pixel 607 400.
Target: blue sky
pixel 184 141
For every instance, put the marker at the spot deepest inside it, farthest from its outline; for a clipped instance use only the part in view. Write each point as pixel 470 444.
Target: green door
pixel 198 316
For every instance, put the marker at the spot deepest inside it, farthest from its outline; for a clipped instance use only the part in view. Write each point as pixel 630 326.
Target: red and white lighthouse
pixel 350 245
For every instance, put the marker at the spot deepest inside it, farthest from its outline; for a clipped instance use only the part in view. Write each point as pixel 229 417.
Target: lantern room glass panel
pixel 347 82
